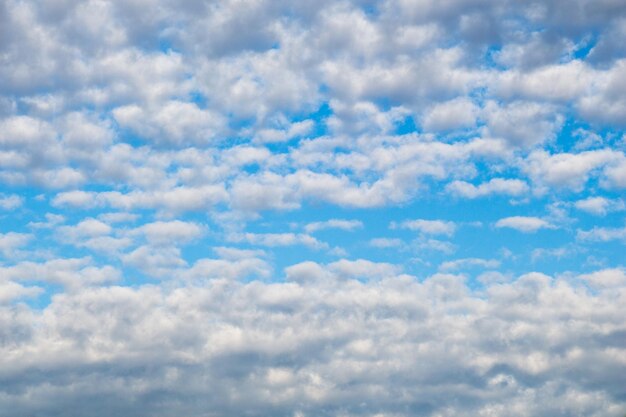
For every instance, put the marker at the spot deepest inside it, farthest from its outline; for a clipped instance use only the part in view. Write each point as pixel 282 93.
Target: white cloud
pixel 385 242
pixel 291 131
pixel 10 202
pixel 170 232
pixel 599 206
pixel 279 239
pixel 174 122
pixel 76 198
pixel 602 234
pixel 453 114
pixel 469 263
pixel 156 262
pixel 87 228
pixel 12 290
pixel 562 82
pixel 616 174
pixel 567 169
pixel 512 187
pixel 428 227
pixel 231 269
pixel 11 242
pixel 52 220
pixel 524 224
pixel 348 225
pixel 606 278
pixel 170 200
pixel 73 274
pixel 363 269
pixel 605 101
pixel 521 124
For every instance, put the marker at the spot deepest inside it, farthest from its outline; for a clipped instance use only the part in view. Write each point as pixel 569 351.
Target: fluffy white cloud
pixel 156 262
pixel 175 122
pixel 10 290
pixel 170 232
pixel 513 187
pixel 469 262
pixel 454 114
pixel 428 227
pixel 239 268
pixel 606 278
pixel 288 132
pixel 605 103
pixel 279 239
pixel 10 202
pixel 524 223
pixel 170 200
pixel 599 206
pixel 342 224
pixel 567 169
pixel 363 269
pixel 73 274
pixel 563 82
pixel 521 123
pixel 11 242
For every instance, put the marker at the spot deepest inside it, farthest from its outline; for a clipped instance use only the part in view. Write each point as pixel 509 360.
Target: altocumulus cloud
pixel 271 208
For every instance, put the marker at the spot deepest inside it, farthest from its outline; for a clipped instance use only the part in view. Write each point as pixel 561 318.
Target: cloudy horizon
pixel 304 209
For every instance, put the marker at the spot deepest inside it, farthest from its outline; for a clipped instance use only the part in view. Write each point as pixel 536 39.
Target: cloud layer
pixel 355 208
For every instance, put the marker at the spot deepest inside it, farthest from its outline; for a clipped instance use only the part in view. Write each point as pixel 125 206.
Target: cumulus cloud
pixel 11 242
pixel 524 224
pixel 10 290
pixel 10 202
pixel 73 273
pixel 347 225
pixel 606 278
pixel 599 206
pixel 454 114
pixel 428 227
pixel 512 187
pixel 280 239
pixel 522 124
pixel 567 169
pixel 170 232
pixel 170 200
pixel 176 122
pixel 469 262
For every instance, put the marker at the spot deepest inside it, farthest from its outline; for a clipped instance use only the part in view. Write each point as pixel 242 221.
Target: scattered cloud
pixel 427 227
pixel 512 187
pixel 524 224
pixel 348 225
pixel 599 206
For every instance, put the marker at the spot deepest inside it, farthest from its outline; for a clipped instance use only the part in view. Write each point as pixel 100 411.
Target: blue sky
pixel 359 208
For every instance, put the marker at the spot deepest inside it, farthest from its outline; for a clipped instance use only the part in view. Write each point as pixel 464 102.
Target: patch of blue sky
pixel 406 125
pixel 584 46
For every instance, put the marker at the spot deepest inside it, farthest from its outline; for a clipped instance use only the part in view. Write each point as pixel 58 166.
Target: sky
pixel 313 208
